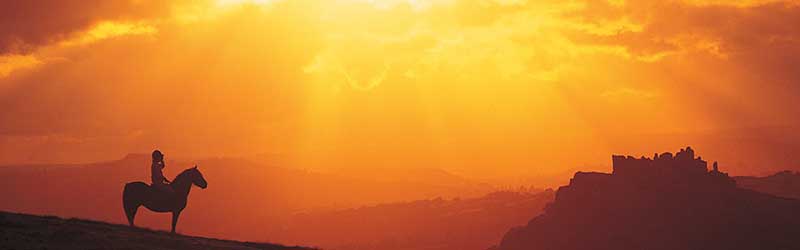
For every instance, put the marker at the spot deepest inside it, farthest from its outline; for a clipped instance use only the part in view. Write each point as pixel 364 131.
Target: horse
pixel 138 194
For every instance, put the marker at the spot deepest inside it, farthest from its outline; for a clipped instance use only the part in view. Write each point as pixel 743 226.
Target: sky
pixel 482 88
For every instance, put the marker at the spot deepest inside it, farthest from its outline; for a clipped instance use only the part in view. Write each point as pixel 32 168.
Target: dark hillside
pixel 20 231
pixel 663 203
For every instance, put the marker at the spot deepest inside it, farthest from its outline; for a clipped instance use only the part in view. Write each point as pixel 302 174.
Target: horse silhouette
pixel 138 193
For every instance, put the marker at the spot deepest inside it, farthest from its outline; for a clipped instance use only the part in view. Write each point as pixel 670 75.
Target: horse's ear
pixel 195 166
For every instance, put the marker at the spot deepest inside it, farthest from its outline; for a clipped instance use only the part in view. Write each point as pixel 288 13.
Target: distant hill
pixel 21 232
pixel 669 202
pixel 784 184
pixel 436 224
pixel 244 200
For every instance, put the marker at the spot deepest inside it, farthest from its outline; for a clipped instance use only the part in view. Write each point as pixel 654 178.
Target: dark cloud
pixel 670 26
pixel 26 25
pixel 737 60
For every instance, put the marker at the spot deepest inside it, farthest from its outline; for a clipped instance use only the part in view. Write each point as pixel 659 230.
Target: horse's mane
pixel 185 172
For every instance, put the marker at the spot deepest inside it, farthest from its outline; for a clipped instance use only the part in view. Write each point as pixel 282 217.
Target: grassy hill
pixel 21 231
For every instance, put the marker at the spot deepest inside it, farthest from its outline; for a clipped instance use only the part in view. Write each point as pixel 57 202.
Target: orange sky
pixel 484 88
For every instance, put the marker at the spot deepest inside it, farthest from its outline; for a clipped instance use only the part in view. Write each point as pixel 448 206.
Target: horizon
pixel 552 180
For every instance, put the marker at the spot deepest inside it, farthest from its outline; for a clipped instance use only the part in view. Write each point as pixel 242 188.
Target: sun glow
pixel 372 82
pixel 224 3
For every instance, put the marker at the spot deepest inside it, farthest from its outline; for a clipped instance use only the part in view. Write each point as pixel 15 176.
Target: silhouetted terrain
pixel 244 200
pixel 784 184
pixel 457 224
pixel 20 232
pixel 669 202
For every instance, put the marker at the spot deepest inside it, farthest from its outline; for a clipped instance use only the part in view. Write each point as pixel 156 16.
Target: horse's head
pixel 197 177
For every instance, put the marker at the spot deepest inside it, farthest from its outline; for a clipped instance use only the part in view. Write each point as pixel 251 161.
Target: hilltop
pixel 21 231
pixel 784 184
pixel 434 224
pixel 667 202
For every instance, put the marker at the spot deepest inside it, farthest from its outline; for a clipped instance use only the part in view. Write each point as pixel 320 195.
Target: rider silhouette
pixel 160 182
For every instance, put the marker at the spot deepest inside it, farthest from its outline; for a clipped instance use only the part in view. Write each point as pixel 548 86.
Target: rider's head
pixel 157 156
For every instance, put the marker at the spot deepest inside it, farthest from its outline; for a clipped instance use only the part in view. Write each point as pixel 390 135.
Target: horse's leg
pixel 131 213
pixel 130 208
pixel 175 216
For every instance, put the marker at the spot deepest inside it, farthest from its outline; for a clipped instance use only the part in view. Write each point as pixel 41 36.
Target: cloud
pixel 682 27
pixel 10 63
pixel 625 93
pixel 107 29
pixel 28 25
pixel 192 87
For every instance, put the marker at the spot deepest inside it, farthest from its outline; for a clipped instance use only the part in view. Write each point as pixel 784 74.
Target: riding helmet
pixel 157 155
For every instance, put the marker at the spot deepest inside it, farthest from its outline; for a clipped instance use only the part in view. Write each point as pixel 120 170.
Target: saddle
pixel 163 191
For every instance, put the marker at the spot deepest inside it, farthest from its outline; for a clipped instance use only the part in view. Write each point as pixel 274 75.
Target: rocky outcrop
pixel 668 202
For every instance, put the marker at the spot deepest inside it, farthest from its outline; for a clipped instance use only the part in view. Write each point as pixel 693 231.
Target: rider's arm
pixel 163 165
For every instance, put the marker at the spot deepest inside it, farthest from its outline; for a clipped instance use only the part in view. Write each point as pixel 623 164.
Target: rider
pixel 157 177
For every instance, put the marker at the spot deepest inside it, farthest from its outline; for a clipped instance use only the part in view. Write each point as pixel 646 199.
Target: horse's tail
pixel 130 201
